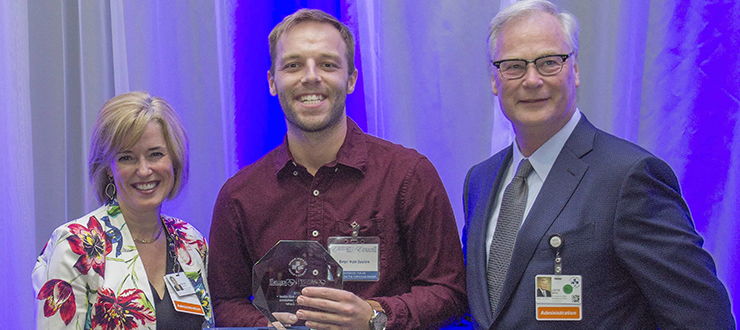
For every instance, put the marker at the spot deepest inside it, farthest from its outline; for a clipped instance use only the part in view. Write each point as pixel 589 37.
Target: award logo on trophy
pixel 280 275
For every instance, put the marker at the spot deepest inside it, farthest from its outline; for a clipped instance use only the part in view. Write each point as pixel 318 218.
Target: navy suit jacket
pixel 626 230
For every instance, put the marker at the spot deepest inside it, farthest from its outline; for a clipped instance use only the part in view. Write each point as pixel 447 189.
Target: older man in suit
pixel 543 289
pixel 568 199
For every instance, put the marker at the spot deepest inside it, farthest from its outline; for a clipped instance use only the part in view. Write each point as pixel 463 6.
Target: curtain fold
pixel 16 168
pixel 691 118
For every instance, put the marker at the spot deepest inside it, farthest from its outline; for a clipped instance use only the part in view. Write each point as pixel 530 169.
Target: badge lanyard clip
pixel 355 232
pixel 556 243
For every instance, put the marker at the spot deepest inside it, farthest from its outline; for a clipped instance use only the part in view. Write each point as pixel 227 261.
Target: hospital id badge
pixel 558 297
pixel 182 294
pixel 358 256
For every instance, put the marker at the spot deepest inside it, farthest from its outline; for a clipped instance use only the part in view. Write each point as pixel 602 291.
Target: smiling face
pixel 311 76
pixel 535 102
pixel 544 283
pixel 143 174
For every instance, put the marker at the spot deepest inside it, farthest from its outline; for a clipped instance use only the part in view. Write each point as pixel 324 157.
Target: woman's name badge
pixel 182 294
pixel 558 297
pixel 358 257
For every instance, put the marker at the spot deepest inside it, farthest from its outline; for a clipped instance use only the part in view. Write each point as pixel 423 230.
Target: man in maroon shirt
pixel 330 179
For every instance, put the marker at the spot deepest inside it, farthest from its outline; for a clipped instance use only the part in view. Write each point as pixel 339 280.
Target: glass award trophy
pixel 280 275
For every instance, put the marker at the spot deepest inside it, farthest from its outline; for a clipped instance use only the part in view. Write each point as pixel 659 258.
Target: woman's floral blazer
pixel 89 275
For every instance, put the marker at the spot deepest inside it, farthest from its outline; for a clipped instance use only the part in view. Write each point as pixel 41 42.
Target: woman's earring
pixel 110 189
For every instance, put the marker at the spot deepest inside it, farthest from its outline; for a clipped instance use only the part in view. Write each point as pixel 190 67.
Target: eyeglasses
pixel 548 65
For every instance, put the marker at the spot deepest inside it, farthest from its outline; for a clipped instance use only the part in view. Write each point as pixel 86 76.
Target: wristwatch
pixel 379 319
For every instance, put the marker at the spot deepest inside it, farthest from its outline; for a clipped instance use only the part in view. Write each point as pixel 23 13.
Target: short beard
pixel 335 115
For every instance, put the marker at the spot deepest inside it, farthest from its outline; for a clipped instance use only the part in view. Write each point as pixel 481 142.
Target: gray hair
pixel 526 8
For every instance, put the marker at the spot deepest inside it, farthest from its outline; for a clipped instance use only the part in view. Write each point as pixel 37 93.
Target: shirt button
pixel 315 233
pixel 295 173
pixel 316 192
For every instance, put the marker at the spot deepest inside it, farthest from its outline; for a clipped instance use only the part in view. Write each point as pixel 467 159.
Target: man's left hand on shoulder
pixel 338 309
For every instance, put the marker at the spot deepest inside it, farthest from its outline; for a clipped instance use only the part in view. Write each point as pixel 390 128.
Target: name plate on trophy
pixel 280 275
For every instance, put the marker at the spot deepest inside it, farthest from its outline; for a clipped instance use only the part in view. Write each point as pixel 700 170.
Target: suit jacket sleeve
pixel 656 240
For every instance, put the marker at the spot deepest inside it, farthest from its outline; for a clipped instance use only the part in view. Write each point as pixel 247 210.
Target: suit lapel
pixel 487 180
pixel 561 183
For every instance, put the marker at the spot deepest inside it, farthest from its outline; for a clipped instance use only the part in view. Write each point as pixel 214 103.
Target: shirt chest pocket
pixel 360 227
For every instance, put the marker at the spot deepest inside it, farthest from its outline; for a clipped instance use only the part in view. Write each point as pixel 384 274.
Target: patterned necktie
pixel 509 220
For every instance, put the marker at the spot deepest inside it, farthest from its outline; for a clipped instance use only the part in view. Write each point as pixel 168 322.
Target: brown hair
pixel 311 15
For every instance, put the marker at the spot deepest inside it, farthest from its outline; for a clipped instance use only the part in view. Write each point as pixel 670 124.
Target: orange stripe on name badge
pixel 182 306
pixel 558 313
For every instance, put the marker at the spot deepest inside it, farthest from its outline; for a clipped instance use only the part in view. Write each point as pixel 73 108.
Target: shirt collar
pixel 544 157
pixel 353 153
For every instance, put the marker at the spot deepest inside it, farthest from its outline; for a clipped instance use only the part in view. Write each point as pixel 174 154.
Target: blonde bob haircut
pixel 121 123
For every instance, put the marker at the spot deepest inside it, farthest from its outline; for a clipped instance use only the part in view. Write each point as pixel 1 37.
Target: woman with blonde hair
pixel 107 269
